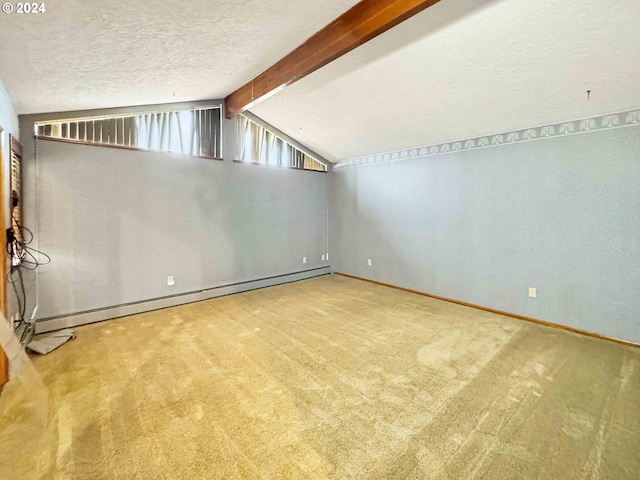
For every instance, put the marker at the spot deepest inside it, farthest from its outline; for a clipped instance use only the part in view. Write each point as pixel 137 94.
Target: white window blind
pixel 15 181
pixel 259 145
pixel 190 132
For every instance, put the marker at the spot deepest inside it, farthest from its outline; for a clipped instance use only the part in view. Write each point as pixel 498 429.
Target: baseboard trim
pixel 499 312
pixel 108 313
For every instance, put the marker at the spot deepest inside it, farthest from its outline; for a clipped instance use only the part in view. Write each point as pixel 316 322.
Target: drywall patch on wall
pixel 572 127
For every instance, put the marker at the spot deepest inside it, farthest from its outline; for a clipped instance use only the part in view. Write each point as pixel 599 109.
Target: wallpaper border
pixel 573 127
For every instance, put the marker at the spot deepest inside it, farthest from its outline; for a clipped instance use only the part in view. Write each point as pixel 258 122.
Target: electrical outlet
pixel 304 259
pixel 323 258
pixel 533 292
pixel 170 281
pixel 369 262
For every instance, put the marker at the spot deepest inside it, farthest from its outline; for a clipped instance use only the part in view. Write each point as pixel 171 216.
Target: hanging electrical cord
pixel 22 257
pixel 20 250
pixel 21 297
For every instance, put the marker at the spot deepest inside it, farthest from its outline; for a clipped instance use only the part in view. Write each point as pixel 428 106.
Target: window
pixel 15 206
pixel 189 132
pixel 259 145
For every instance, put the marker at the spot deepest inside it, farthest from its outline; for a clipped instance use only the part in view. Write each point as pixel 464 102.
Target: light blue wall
pixel 10 126
pixel 117 222
pixel 8 122
pixel 559 214
pixel 8 117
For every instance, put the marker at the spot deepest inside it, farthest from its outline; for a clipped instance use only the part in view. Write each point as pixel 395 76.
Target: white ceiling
pixel 460 69
pixel 89 54
pixel 466 68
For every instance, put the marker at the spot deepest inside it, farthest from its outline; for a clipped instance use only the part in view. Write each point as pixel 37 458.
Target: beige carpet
pixel 328 378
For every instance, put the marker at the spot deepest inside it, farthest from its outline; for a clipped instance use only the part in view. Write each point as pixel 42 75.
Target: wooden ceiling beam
pixel 364 21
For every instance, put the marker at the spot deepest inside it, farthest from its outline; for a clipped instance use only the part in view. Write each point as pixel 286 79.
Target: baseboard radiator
pixel 82 318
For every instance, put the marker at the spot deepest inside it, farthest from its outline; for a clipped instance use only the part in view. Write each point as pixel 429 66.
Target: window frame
pixel 296 146
pixel 130 112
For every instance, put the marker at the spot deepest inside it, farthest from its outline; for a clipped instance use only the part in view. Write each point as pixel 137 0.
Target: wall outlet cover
pixel 369 262
pixel 533 292
pixel 323 258
pixel 304 259
pixel 170 281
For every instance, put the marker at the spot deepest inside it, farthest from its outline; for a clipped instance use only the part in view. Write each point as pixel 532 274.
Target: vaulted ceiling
pixel 466 68
pixel 460 69
pixel 89 54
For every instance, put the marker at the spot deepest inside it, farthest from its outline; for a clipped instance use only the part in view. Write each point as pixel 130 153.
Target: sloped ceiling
pixel 460 69
pixel 88 54
pixel 466 68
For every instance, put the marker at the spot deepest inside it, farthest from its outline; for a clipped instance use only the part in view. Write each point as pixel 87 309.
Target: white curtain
pixel 259 145
pixel 189 132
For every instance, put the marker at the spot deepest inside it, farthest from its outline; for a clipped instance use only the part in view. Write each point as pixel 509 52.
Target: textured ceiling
pixel 466 68
pixel 90 54
pixel 460 69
